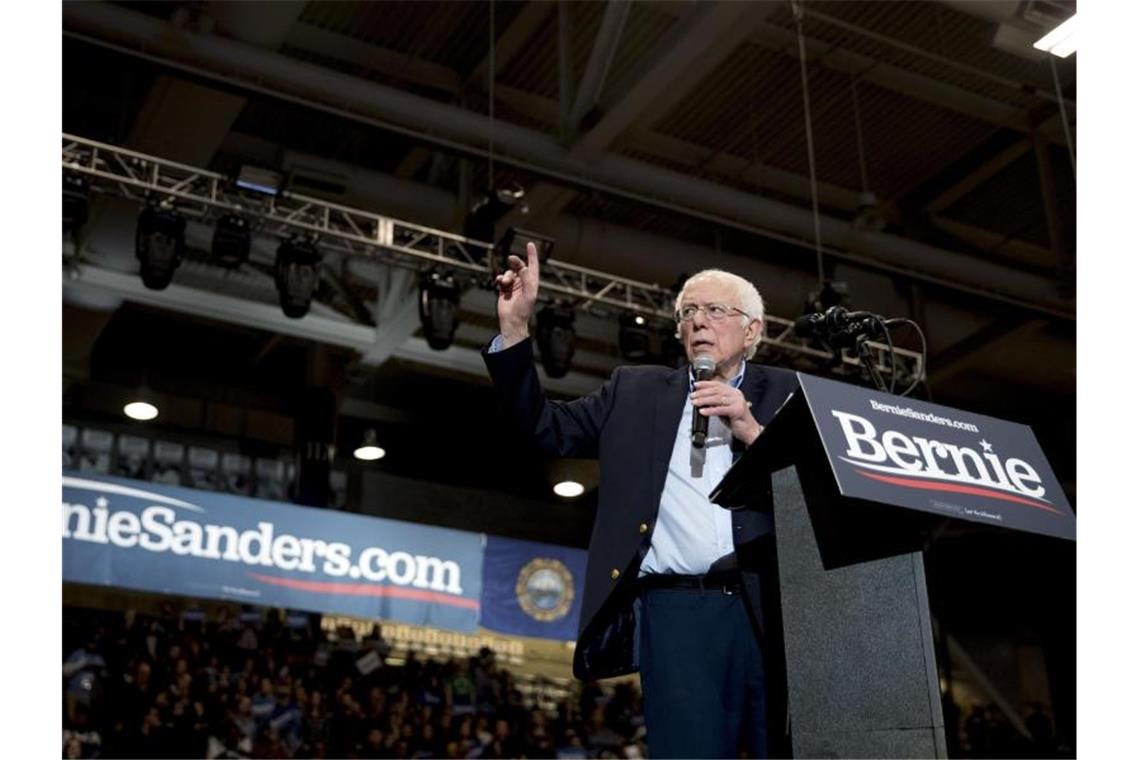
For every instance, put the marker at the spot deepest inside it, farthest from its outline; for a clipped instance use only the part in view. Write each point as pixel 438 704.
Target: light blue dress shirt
pixel 691 531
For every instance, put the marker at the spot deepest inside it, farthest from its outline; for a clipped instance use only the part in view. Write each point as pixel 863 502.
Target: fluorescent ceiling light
pixel 569 489
pixel 140 410
pixel 1062 41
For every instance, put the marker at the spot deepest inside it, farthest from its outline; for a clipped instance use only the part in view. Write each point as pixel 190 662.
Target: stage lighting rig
pixel 296 275
pixel 634 337
pixel 160 240
pixel 490 208
pixel 230 245
pixel 555 336
pixel 439 304
pixel 75 201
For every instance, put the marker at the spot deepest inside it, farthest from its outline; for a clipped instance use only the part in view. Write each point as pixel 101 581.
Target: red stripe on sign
pixel 368 589
pixel 927 485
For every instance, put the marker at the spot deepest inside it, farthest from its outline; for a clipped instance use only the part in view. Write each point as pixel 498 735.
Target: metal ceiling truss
pixel 204 195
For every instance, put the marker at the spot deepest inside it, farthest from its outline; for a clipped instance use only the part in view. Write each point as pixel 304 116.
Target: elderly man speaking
pixel 676 587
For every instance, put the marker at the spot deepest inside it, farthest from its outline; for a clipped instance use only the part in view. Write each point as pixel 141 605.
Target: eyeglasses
pixel 715 311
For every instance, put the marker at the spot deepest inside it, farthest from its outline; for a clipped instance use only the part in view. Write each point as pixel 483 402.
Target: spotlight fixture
pixel 634 335
pixel 569 489
pixel 160 239
pixel 259 180
pixel 295 273
pixel 555 336
pixel 230 245
pixel 369 450
pixel 489 209
pixel 75 203
pixel 439 302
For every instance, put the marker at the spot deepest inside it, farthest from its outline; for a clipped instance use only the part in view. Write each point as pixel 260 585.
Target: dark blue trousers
pixel 702 675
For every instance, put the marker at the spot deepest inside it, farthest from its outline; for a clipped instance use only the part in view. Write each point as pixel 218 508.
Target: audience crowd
pixel 168 685
pixel 163 686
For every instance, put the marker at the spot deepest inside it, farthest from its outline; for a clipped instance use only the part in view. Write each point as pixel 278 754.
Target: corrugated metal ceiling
pixel 749 108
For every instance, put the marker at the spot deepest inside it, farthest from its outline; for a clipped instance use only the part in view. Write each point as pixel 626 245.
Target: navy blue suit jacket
pixel 630 426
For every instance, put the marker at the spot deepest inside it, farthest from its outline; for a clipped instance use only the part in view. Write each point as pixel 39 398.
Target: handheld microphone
pixel 703 368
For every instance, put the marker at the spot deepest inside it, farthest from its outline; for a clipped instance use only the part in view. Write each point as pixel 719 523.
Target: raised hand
pixel 518 289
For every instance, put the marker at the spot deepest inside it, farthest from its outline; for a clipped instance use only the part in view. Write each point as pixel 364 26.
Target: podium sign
pixel 856 481
pixel 913 454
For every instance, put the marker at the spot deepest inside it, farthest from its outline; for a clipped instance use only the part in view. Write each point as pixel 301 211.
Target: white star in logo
pixel 101 502
pixel 987 446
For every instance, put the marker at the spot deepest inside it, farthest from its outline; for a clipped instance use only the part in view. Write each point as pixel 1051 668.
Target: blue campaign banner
pixel 532 589
pixel 174 540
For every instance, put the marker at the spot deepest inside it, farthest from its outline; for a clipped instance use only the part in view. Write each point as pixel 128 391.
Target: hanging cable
pixel 890 351
pixel 1064 115
pixel 920 369
pixel 798 13
pixel 491 99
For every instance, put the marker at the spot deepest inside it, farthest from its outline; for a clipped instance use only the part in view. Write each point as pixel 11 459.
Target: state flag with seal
pixel 532 589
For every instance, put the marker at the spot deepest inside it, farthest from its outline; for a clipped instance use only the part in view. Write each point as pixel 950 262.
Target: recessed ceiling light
pixel 569 489
pixel 141 410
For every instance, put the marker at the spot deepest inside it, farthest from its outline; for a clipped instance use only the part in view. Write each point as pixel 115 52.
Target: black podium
pixel 855 479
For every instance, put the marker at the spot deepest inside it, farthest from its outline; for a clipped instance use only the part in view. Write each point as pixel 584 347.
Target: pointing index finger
pixel 532 263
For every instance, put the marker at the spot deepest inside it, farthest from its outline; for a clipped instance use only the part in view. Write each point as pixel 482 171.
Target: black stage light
pixel 634 335
pixel 75 201
pixel 489 209
pixel 555 336
pixel 160 240
pixel 230 246
pixel 296 274
pixel 439 304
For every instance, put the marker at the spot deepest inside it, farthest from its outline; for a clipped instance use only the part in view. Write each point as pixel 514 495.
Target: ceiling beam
pixel 890 77
pixel 894 78
pixel 729 166
pixel 345 49
pixel 601 55
pixel 529 20
pixel 691 50
pixel 978 177
pixel 966 352
pixel 546 199
pixel 987 240
pixel 697 43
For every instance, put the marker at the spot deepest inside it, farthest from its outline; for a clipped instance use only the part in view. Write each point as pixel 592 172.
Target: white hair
pixel 747 297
